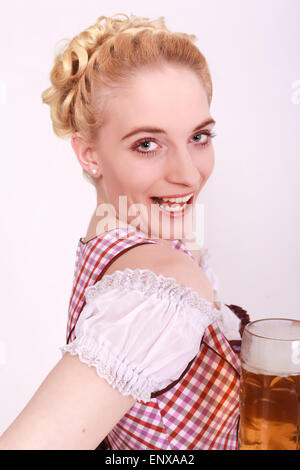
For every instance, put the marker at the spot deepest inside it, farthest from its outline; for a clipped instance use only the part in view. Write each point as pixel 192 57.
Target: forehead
pixel 169 96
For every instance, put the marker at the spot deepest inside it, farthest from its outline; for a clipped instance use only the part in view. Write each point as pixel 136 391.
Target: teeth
pixel 174 208
pixel 176 199
pixel 175 204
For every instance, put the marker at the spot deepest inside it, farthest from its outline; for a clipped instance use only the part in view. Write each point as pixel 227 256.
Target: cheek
pixel 206 164
pixel 142 172
pixel 129 176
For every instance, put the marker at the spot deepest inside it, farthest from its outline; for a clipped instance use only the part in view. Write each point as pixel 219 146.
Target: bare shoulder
pixel 168 262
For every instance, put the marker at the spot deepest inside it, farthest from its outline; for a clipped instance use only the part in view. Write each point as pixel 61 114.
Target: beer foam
pixel 272 347
pixel 278 329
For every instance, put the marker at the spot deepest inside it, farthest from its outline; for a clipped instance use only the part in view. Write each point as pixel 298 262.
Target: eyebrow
pixel 162 131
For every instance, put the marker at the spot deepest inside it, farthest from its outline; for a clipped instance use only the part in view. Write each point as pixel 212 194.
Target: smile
pixel 173 204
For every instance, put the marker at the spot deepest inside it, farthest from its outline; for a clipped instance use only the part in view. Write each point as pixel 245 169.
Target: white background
pixel 251 201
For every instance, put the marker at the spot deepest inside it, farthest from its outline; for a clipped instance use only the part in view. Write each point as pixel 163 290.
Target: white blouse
pixel 140 330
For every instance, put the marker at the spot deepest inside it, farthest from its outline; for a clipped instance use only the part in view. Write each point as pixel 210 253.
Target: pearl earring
pixel 94 171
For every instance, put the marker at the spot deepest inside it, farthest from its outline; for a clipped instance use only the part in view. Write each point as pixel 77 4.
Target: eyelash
pixel 154 152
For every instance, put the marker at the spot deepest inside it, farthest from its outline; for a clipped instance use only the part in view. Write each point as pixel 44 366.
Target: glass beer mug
pixel 270 385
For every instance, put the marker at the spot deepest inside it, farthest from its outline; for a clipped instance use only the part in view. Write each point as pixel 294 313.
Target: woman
pixel 148 362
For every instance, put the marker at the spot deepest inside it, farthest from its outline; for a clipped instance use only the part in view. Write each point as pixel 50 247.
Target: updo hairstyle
pixel 96 63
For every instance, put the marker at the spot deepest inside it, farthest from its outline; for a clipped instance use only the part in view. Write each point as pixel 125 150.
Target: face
pixel 156 143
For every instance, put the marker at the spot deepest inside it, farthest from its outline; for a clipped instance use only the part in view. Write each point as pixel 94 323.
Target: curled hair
pixel 103 57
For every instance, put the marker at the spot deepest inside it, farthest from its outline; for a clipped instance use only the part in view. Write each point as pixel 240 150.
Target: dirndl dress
pixel 199 410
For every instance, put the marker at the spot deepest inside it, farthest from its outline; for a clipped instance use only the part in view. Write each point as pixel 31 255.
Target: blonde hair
pixel 102 58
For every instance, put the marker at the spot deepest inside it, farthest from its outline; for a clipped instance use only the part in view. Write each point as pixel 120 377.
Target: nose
pixel 182 169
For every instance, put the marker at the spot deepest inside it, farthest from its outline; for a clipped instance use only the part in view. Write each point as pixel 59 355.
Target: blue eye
pixel 207 135
pixel 146 148
pixel 146 140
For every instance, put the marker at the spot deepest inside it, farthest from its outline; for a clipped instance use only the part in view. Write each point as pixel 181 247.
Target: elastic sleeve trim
pixel 113 368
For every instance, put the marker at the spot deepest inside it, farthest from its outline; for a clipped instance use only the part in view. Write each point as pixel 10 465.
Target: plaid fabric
pixel 91 259
pixel 199 411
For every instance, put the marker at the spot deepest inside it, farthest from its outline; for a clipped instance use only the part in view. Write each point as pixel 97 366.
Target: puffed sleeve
pixel 140 330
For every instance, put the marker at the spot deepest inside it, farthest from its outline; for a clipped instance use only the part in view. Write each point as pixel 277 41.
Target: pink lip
pixel 173 215
pixel 175 195
pixel 178 214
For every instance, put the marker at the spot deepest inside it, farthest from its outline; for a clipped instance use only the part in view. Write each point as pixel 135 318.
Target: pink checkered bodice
pixel 197 411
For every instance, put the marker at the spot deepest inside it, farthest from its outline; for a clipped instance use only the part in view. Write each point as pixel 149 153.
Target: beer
pixel 270 386
pixel 270 411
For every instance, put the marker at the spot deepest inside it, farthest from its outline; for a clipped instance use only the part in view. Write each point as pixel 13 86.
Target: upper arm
pixel 73 409
pixel 167 261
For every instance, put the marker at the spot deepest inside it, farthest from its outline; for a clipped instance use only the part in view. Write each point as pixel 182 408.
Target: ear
pixel 85 153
